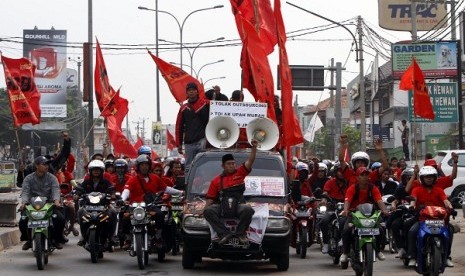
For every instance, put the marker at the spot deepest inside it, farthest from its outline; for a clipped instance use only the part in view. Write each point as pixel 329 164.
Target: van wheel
pixel 282 261
pixel 187 259
pixel 459 192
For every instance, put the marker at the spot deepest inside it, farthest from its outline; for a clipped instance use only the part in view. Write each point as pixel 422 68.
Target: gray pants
pixel 244 212
pixel 193 149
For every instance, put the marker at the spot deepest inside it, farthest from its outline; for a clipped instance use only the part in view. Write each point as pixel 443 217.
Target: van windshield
pixel 263 169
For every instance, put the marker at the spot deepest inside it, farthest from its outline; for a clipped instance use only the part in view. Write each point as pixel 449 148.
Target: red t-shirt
pixel 349 175
pixel 153 184
pixel 442 183
pixel 230 180
pixel 397 173
pixel 305 188
pixel 333 190
pixel 119 186
pixel 435 197
pixel 362 196
pixel 167 180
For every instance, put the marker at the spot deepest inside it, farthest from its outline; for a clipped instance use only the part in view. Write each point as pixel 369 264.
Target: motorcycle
pixel 386 231
pixel 433 240
pixel 335 238
pixel 303 219
pixel 96 213
pixel 365 226
pixel 67 201
pixel 140 221
pixel 175 220
pixel 39 213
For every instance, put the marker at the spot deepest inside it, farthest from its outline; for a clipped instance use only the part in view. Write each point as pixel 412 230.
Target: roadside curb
pixel 9 239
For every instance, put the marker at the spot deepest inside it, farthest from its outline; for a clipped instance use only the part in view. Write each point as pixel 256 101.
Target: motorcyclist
pixel 396 222
pixel 121 175
pixel 385 184
pixel 361 192
pixel 428 194
pixel 319 176
pixel 335 189
pixel 96 183
pixel 157 168
pixel 140 186
pixel 176 173
pixel 42 183
pixel 302 174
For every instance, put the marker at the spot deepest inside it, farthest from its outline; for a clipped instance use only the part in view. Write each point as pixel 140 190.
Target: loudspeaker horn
pixel 265 131
pixel 222 132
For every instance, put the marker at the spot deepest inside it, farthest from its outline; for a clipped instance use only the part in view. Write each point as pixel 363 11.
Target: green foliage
pixel 353 136
pixel 323 144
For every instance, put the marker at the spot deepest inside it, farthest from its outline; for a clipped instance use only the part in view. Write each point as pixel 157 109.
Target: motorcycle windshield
pixel 366 209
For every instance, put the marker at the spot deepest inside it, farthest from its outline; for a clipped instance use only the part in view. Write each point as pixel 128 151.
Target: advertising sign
pixel 436 59
pixel 242 112
pixel 157 133
pixel 444 97
pixel 396 15
pixel 47 50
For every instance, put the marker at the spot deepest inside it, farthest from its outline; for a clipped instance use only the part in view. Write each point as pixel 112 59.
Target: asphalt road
pixel 74 260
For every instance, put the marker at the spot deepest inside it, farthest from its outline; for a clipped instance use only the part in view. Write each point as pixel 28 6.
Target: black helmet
pixel 406 174
pixel 143 158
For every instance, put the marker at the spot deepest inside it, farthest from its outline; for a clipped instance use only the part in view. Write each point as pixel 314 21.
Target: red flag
pixel 138 143
pixel 120 143
pixel 259 14
pixel 413 79
pixel 117 107
pixel 177 79
pixel 103 90
pixel 171 144
pixel 154 155
pixel 292 133
pixel 260 71
pixel 22 90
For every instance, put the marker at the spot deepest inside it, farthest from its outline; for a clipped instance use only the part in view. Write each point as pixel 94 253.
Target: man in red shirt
pixel 441 182
pixel 428 194
pixel 230 178
pixel 359 193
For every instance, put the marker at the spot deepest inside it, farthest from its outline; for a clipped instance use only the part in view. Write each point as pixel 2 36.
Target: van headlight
pixel 277 225
pixel 195 222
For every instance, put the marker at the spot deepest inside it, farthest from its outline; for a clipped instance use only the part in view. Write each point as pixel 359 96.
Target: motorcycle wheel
pixel 368 260
pixel 303 242
pixel 39 253
pixel 434 258
pixel 392 245
pixel 93 247
pixel 140 253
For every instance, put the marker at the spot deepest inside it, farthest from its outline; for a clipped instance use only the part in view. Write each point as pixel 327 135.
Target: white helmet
pixel 301 166
pixel 96 164
pixel 360 155
pixel 322 166
pixel 427 170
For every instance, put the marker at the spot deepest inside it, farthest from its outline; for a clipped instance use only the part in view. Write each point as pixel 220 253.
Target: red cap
pixel 361 170
pixel 156 164
pixel 430 162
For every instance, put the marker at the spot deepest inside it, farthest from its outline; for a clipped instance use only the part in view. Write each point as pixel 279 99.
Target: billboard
pixel 47 50
pixel 396 15
pixel 436 59
pixel 444 97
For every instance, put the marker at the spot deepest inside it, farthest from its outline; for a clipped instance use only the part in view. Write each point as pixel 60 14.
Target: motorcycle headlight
pixel 322 209
pixel 195 222
pixel 139 213
pixel 94 199
pixel 38 214
pixel 368 222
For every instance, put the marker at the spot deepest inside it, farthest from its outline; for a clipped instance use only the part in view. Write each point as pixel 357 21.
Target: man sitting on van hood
pixel 231 179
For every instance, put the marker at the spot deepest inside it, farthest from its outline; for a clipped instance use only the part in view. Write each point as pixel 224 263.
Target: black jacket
pixel 389 188
pixel 191 122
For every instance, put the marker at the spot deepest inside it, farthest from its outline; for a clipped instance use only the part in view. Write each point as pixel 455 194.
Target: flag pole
pixel 414 125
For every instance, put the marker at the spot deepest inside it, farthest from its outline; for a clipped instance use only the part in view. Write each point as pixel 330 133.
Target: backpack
pixel 370 193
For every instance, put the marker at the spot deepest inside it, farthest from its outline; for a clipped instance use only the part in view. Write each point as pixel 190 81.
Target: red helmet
pixel 430 162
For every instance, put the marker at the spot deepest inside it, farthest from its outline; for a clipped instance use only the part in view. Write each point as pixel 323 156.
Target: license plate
pixel 176 208
pixel 164 208
pixel 37 224
pixel 368 231
pixel 302 214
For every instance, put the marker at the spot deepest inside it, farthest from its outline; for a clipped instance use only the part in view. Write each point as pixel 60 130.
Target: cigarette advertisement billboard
pixel 47 50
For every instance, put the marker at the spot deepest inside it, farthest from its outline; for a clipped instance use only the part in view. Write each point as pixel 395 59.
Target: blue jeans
pixel 193 149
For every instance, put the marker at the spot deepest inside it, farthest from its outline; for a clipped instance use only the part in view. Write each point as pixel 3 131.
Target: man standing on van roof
pixel 191 123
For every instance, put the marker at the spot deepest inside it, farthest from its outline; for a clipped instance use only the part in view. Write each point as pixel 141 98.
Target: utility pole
pixel 361 86
pixel 143 130
pixel 453 29
pixel 90 142
pixel 338 108
pixel 331 93
pixel 413 18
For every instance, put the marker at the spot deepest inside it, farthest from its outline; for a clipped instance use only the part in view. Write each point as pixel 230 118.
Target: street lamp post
pixel 218 78
pixel 191 54
pixel 181 25
pixel 197 73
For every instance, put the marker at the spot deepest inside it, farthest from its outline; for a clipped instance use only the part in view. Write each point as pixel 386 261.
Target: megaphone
pixel 265 131
pixel 222 132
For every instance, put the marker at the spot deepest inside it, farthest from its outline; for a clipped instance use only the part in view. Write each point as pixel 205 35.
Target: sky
pixel 121 22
